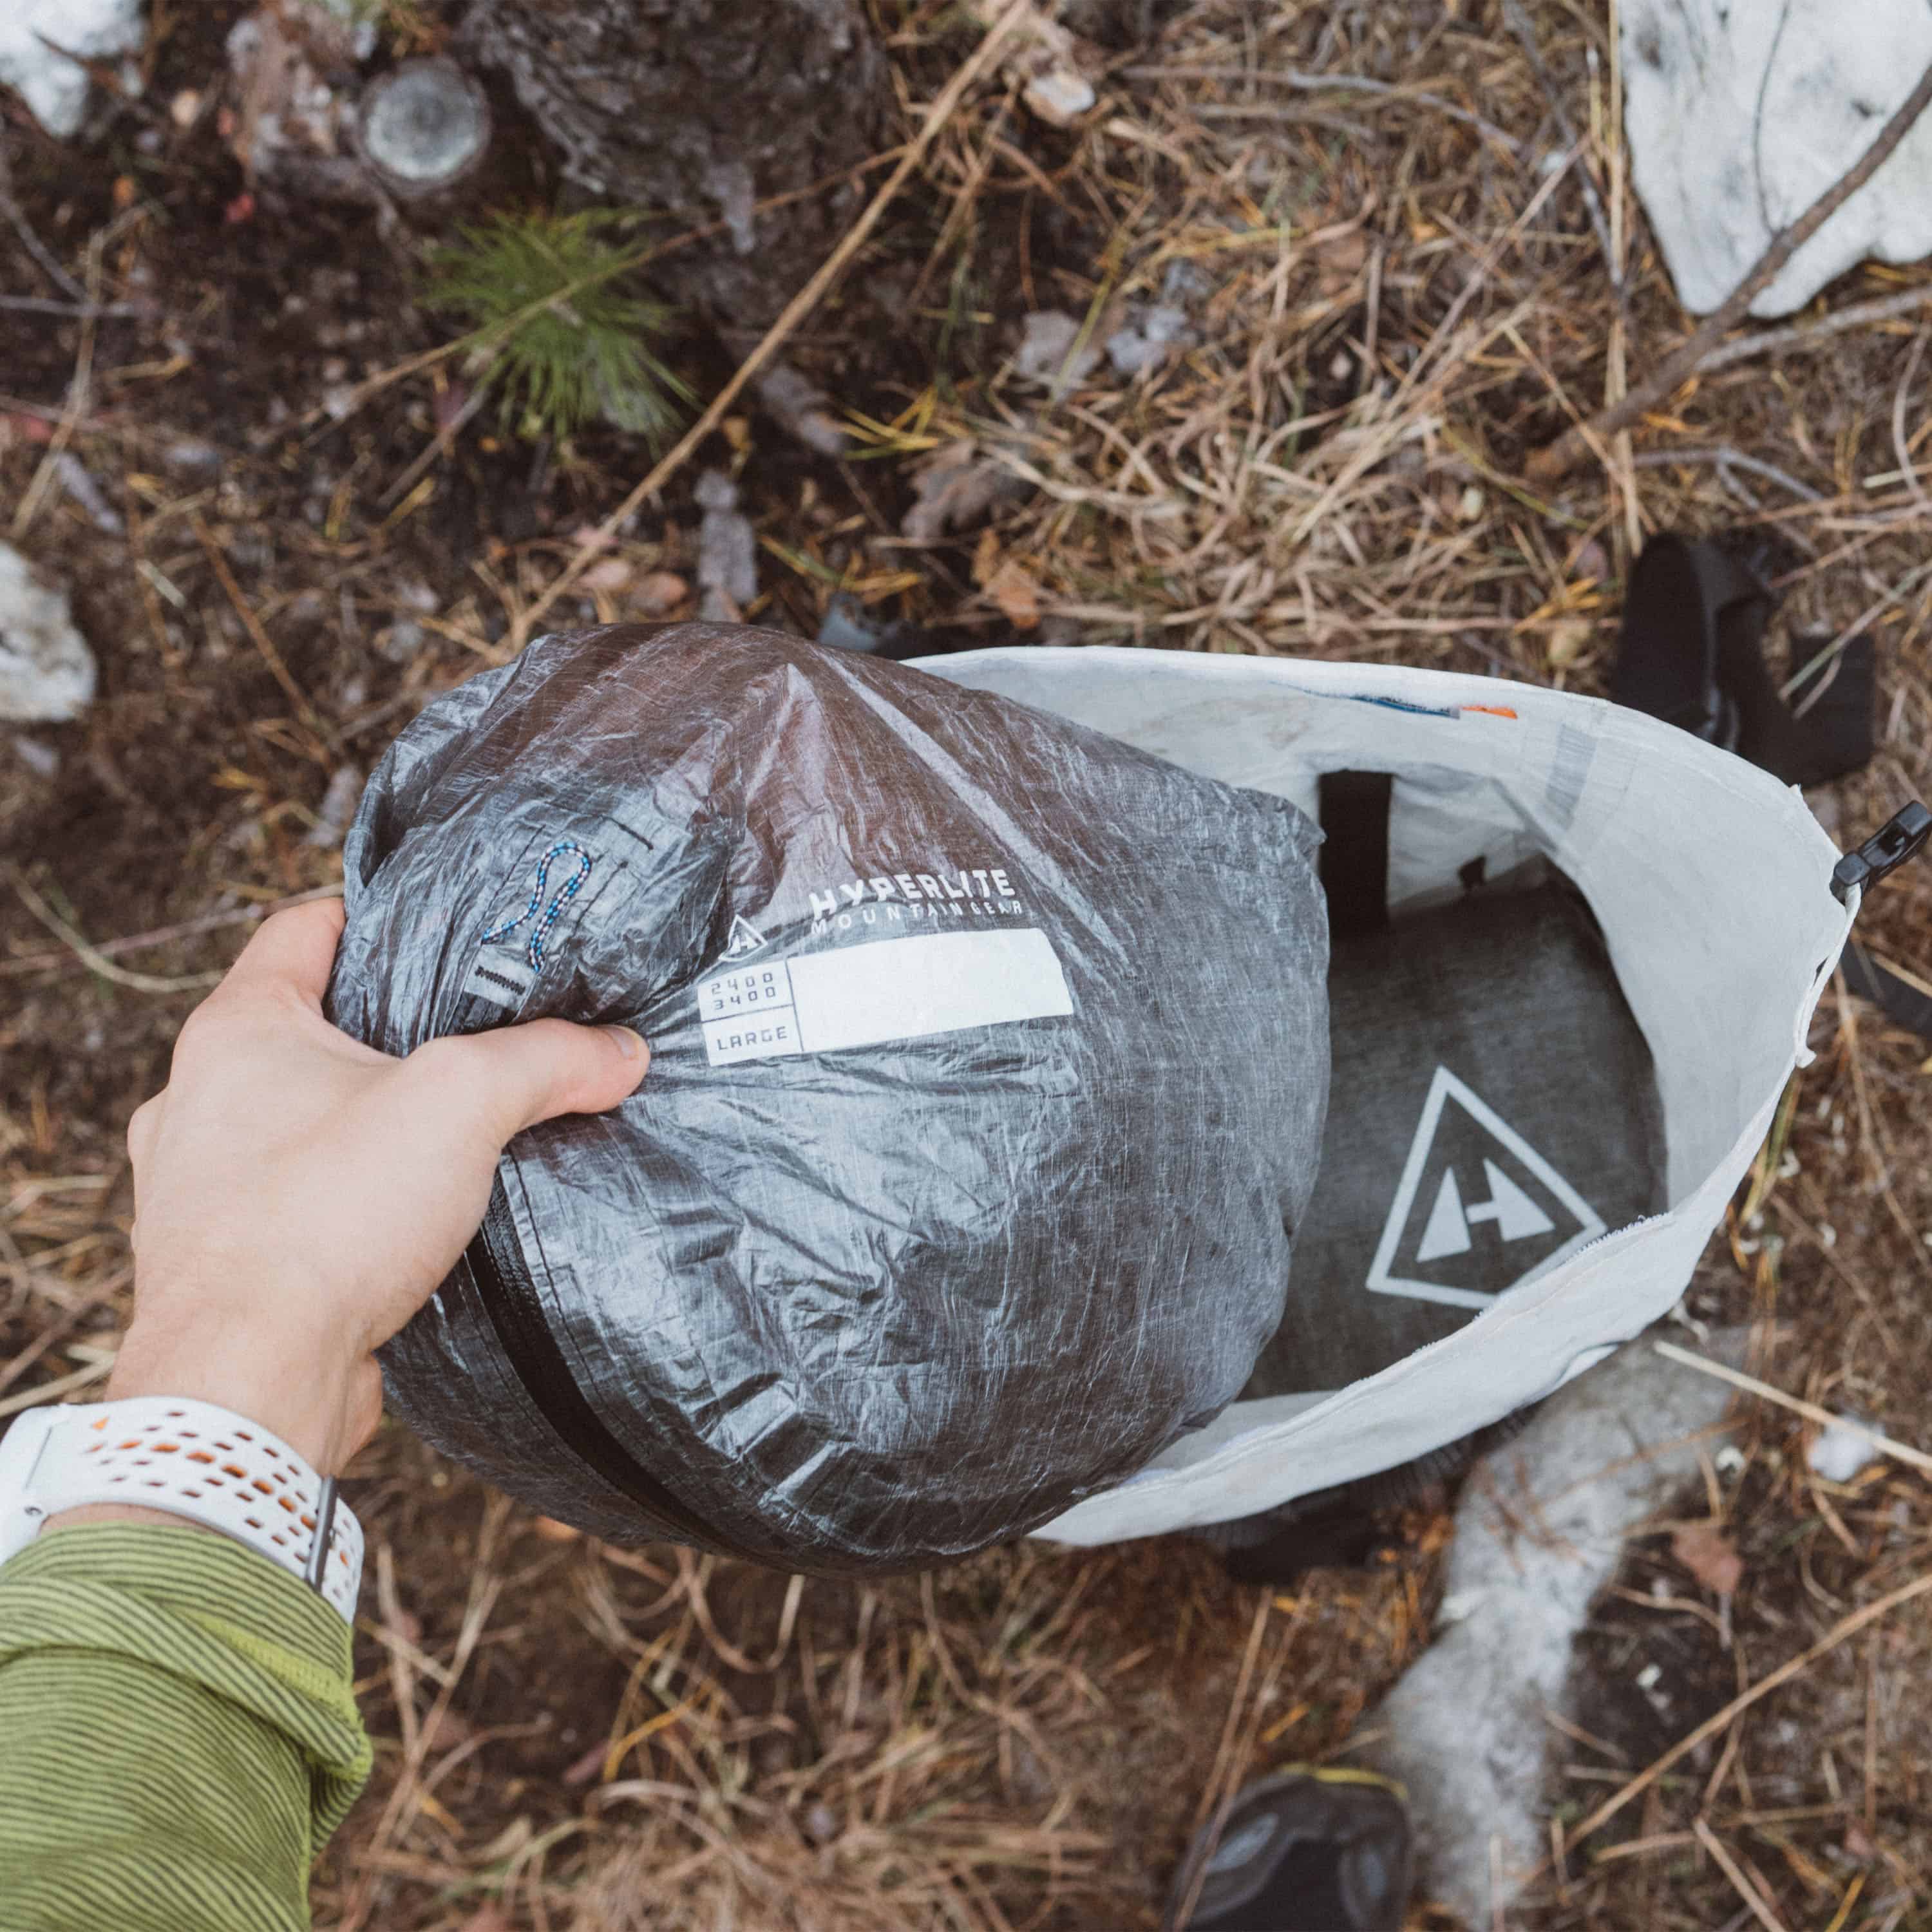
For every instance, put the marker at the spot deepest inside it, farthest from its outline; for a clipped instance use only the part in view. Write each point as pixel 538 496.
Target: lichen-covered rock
pixel 46 671
pixel 1739 117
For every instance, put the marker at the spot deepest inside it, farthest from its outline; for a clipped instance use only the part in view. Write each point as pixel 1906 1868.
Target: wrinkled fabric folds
pixel 989 1067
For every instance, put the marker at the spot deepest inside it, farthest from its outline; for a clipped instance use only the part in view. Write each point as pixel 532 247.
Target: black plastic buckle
pixel 1901 837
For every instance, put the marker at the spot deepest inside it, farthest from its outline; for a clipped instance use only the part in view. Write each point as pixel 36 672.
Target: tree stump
pixel 699 110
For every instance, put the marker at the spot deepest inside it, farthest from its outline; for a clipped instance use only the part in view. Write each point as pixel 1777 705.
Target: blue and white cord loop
pixel 551 912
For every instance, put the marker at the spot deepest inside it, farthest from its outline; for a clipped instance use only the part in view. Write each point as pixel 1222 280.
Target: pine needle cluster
pixel 555 329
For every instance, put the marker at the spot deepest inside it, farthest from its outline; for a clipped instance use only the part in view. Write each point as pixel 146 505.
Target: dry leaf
pixel 1340 259
pixel 610 573
pixel 551 1531
pixel 1706 1550
pixel 450 1729
pixel 658 594
pixel 1569 639
pixel 1592 562
pixel 957 486
pixel 490 1918
pixel 1017 595
pixel 286 111
pixel 800 406
pixel 1051 351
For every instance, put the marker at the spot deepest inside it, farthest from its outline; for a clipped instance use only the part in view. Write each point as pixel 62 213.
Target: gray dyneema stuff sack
pixel 990 1058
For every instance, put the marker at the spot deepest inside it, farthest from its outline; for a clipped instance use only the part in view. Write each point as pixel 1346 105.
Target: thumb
pixel 532 1073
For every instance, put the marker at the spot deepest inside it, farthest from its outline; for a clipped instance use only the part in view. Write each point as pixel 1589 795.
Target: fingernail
pixel 629 1044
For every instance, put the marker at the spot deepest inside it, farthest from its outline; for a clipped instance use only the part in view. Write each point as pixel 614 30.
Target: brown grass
pixel 1396 306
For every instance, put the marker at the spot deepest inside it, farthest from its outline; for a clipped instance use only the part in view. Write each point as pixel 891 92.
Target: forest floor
pixel 1387 297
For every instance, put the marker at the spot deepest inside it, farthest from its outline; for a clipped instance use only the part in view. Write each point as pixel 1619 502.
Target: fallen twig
pixel 405 1797
pixel 977 63
pixel 57 1332
pixel 137 942
pixel 1216 1800
pixel 1760 1909
pixel 1819 329
pixel 1901 1452
pixel 49 262
pixel 1573 444
pixel 47 1392
pixel 93 959
pixel 1845 1627
pixel 86 310
pixel 483 338
pixel 1519 24
pixel 263 642
pixel 1726 458
pixel 79 392
pixel 1332 83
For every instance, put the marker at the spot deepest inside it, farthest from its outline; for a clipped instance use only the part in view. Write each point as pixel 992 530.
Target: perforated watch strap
pixel 189 1459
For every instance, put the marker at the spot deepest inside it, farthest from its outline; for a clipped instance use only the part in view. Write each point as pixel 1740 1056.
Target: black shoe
pixel 1304 1851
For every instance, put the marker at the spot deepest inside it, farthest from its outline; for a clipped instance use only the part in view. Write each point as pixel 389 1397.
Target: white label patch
pixel 864 995
pixel 501 975
pixel 1476 1204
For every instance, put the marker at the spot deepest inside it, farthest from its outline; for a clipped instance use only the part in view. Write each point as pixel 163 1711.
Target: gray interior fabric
pixel 990 1058
pixel 1493 1109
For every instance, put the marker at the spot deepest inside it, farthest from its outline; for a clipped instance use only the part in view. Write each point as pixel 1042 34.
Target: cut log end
pixel 424 127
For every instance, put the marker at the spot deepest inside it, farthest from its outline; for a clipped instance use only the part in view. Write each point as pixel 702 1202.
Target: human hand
pixel 298 1196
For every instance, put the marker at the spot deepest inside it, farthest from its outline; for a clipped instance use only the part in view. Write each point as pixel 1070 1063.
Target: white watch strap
pixel 188 1458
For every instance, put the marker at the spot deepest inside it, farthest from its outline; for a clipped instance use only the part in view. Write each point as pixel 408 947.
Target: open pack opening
pixel 1493 1108
pixel 1648 923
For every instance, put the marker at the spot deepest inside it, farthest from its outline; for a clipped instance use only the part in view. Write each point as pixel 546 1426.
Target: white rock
pixel 54 86
pixel 1740 116
pixel 727 551
pixel 46 671
pixel 1046 343
pixel 43 760
pixel 1840 1454
pixel 1060 97
pixel 338 808
pixel 1148 336
pixel 1540 1531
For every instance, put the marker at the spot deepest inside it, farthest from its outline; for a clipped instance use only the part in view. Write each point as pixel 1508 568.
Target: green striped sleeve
pixel 177 1737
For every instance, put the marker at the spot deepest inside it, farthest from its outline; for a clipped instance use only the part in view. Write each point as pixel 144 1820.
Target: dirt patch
pixel 1326 460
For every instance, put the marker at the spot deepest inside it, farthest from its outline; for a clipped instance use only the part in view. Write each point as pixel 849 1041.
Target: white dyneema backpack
pixel 1577 954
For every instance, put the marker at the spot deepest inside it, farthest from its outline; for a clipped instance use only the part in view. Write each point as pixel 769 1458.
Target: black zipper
pixel 509 1298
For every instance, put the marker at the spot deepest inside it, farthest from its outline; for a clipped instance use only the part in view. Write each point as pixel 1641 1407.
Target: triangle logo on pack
pixel 745 938
pixel 1477 1210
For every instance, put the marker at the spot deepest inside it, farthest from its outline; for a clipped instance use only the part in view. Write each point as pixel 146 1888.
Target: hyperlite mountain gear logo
pixel 746 939
pixel 1478 1209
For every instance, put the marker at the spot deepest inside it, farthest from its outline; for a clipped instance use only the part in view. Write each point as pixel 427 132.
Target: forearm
pixel 179 1734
